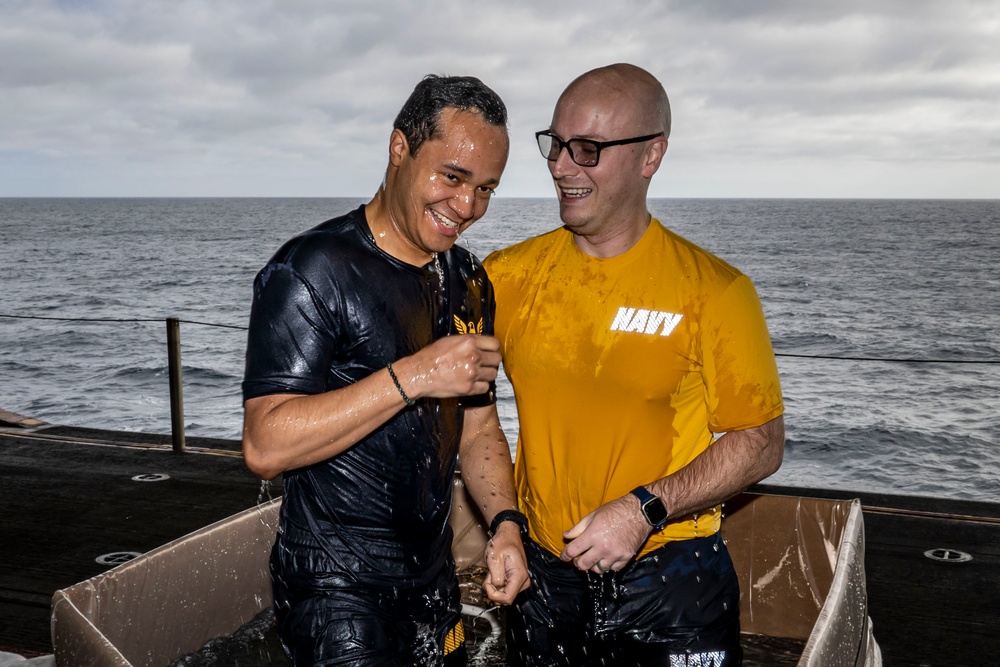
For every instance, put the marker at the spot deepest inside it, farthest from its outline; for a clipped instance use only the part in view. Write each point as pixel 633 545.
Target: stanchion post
pixel 176 391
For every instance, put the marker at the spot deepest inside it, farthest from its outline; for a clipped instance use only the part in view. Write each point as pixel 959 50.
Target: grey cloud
pixel 302 82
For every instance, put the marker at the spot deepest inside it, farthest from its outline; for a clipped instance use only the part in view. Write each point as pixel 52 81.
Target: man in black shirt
pixel 370 369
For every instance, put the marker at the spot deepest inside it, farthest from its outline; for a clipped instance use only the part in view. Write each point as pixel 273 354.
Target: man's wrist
pixel 651 507
pixel 514 517
pixel 395 380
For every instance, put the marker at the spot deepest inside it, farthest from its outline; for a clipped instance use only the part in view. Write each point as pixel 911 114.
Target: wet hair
pixel 418 119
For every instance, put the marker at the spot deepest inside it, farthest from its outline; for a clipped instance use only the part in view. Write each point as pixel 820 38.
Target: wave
pixel 890 461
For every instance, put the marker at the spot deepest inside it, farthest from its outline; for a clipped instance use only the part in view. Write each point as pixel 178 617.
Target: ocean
pixel 885 315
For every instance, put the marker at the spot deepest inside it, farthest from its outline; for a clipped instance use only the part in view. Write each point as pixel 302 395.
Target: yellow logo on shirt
pixel 469 327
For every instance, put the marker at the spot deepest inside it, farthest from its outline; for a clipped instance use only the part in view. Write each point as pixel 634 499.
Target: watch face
pixel 655 512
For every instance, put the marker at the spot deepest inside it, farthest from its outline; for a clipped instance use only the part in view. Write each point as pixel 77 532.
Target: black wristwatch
pixel 652 507
pixel 510 515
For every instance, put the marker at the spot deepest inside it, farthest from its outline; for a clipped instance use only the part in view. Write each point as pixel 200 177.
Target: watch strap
pixel 509 515
pixel 646 498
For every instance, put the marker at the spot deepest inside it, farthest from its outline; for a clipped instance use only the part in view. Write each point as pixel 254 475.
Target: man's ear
pixel 399 147
pixel 654 156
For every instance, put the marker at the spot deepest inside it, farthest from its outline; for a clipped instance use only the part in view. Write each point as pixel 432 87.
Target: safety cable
pixel 115 319
pixel 905 361
pixel 777 354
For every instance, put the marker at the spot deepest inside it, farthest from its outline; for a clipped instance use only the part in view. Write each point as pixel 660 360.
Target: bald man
pixel 630 351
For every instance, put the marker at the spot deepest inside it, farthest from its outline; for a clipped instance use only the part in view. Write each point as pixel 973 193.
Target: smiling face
pixel 608 199
pixel 433 196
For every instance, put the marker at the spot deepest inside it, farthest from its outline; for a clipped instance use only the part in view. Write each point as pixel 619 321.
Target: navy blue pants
pixel 678 605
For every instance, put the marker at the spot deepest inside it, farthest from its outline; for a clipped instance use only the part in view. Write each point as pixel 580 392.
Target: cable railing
pixel 906 360
pixel 173 359
pixel 119 319
pixel 176 381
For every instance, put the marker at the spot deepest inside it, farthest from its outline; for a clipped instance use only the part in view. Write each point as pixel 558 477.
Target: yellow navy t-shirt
pixel 624 369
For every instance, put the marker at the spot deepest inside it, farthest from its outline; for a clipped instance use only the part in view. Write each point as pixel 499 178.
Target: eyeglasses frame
pixel 601 145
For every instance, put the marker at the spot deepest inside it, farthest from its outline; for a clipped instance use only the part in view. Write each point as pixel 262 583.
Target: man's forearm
pixel 735 461
pixel 489 481
pixel 485 463
pixel 287 431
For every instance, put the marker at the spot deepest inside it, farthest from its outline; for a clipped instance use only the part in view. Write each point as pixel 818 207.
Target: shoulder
pixel 526 253
pixel 692 260
pixel 314 249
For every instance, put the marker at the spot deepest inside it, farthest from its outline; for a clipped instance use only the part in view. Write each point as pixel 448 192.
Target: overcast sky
pixel 771 98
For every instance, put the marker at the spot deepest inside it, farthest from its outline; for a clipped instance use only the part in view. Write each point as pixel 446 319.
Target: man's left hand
pixel 607 538
pixel 508 566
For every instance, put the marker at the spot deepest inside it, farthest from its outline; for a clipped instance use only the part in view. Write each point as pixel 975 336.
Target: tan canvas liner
pixel 800 563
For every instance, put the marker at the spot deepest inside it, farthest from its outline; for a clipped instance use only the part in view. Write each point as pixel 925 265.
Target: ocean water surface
pixel 885 315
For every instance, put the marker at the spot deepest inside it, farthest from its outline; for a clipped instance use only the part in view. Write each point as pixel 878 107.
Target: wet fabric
pixel 678 605
pixel 361 566
pixel 329 309
pixel 326 622
pixel 624 369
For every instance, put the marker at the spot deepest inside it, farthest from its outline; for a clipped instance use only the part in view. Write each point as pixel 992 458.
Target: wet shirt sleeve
pixel 741 375
pixel 291 339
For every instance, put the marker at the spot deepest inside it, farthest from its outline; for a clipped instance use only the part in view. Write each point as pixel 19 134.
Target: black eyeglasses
pixel 585 152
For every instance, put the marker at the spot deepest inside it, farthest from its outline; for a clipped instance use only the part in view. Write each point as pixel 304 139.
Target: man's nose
pixel 464 204
pixel 563 164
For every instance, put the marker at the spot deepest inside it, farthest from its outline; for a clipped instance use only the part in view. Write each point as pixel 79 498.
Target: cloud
pixel 297 97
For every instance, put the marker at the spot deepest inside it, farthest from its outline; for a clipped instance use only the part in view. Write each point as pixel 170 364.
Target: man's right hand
pixel 463 365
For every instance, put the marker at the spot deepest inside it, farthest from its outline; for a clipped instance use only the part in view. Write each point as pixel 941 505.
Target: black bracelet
pixel 409 401
pixel 509 515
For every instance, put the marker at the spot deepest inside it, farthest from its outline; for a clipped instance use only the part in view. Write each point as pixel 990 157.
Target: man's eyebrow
pixel 451 166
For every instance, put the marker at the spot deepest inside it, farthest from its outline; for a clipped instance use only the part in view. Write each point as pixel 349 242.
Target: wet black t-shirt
pixel 329 309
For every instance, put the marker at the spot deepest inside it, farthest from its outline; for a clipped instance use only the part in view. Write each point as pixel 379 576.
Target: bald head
pixel 615 119
pixel 628 85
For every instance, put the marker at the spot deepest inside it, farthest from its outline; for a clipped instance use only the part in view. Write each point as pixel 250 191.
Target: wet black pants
pixel 678 605
pixel 332 621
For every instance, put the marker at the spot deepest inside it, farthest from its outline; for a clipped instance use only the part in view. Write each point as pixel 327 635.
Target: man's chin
pixel 443 243
pixel 571 216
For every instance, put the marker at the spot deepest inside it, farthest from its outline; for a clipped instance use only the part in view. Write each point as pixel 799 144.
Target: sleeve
pixel 488 305
pixel 290 344
pixel 741 374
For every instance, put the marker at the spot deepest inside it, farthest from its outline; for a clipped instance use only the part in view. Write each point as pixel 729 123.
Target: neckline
pixel 426 269
pixel 631 255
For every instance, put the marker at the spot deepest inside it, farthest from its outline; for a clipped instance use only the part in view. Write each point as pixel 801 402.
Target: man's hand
pixel 508 566
pixel 607 538
pixel 462 365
